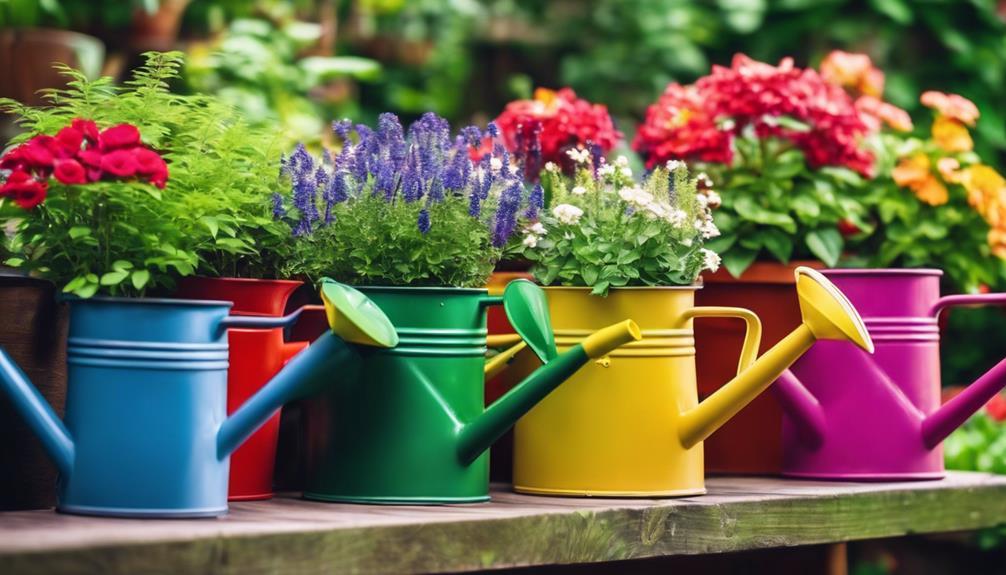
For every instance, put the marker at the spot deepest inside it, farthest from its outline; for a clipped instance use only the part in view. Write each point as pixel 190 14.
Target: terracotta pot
pixel 27 56
pixel 750 443
pixel 34 334
pixel 158 31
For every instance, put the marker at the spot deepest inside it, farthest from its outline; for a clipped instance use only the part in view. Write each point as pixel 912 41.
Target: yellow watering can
pixel 631 425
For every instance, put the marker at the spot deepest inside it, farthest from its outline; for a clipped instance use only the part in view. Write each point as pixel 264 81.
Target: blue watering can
pixel 146 432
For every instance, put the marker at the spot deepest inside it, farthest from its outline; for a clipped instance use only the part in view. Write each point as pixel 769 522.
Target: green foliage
pixel 978 445
pixel 374 242
pixel 255 65
pixel 776 207
pixel 610 232
pixel 212 218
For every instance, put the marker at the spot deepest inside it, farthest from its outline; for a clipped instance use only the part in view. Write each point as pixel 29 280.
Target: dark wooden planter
pixel 27 56
pixel 33 331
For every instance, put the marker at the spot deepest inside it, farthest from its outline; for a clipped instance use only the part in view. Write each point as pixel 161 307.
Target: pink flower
pixel 952 106
pixel 876 111
pixel 69 171
pixel 119 163
pixel 14 159
pixel 38 152
pixel 679 126
pixel 69 140
pixel 117 137
pixel 91 159
pixel 26 190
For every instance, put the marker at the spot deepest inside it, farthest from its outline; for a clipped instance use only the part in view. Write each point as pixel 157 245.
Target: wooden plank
pixel 289 535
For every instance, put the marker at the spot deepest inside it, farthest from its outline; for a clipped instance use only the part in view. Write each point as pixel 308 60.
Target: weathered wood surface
pixel 289 535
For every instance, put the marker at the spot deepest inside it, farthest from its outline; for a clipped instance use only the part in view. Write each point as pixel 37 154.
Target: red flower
pixel 996 407
pixel 14 160
pixel 150 164
pixel 117 137
pixel 565 121
pixel 848 228
pixel 119 163
pixel 91 159
pixel 26 190
pixel 38 152
pixel 69 140
pixel 700 121
pixel 69 171
pixel 86 127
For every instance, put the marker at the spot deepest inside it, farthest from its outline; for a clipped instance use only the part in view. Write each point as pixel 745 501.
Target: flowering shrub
pixel 112 221
pixel 544 128
pixel 403 209
pixel 935 204
pixel 604 230
pixel 782 143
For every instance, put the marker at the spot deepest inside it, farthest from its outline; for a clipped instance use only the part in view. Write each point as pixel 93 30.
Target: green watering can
pixel 411 427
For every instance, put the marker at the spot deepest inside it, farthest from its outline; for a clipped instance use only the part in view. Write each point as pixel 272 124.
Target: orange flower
pixel 952 106
pixel 854 71
pixel 544 95
pixel 913 173
pixel 889 114
pixel 951 135
pixel 997 240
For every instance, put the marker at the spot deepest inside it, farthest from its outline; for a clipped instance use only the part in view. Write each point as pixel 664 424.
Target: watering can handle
pixel 967 299
pixel 260 322
pixel 752 335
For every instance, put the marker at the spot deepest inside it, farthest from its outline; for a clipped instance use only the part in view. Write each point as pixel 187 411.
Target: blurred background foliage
pixel 298 64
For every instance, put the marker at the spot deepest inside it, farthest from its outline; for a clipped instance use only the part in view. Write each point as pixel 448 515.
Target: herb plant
pixel 209 219
pixel 403 209
pixel 604 230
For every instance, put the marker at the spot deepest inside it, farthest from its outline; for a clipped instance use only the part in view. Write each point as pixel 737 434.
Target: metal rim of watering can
pixel 882 271
pixel 148 300
pixel 693 287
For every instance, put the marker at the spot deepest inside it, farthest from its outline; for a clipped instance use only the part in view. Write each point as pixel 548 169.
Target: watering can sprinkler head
pixel 354 318
pixel 827 312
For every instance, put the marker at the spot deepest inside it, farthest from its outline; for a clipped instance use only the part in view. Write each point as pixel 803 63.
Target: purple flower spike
pixel 472 136
pixel 506 214
pixel 343 128
pixel 492 130
pixel 278 211
pixel 596 156
pixel 474 205
pixel 424 221
pixel 535 202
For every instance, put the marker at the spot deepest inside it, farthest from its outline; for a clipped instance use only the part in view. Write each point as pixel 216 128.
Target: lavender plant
pixel 403 208
pixel 604 230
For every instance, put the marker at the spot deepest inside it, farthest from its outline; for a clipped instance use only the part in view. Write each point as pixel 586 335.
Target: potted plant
pixel 409 219
pixel 108 195
pixel 788 150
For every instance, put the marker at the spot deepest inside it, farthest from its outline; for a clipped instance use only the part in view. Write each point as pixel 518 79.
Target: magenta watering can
pixel 853 416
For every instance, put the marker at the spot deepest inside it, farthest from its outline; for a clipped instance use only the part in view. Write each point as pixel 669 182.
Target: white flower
pixel 673 165
pixel 703 200
pixel 657 210
pixel 676 218
pixel 606 170
pixel 578 191
pixel 495 164
pixel 567 214
pixel 627 172
pixel 710 260
pixel 551 167
pixel 579 155
pixel 538 229
pixel 703 180
pixel 621 161
pixel 687 242
pixel 636 196
pixel 643 198
pixel 530 241
pixel 707 228
pixel 627 194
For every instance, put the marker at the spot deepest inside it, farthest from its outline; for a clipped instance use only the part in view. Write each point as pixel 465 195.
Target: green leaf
pixel 778 244
pixel 113 278
pixel 86 291
pixel 211 224
pixel 121 265
pixel 738 259
pixel 826 244
pixel 79 232
pixel 14 262
pixel 140 278
pixel 896 10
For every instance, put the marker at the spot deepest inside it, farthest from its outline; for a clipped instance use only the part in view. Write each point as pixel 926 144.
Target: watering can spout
pixel 826 314
pixel 527 311
pixel 37 413
pixel 952 414
pixel 354 320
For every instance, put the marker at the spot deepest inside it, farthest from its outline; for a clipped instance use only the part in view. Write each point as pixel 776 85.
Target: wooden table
pixel 289 535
